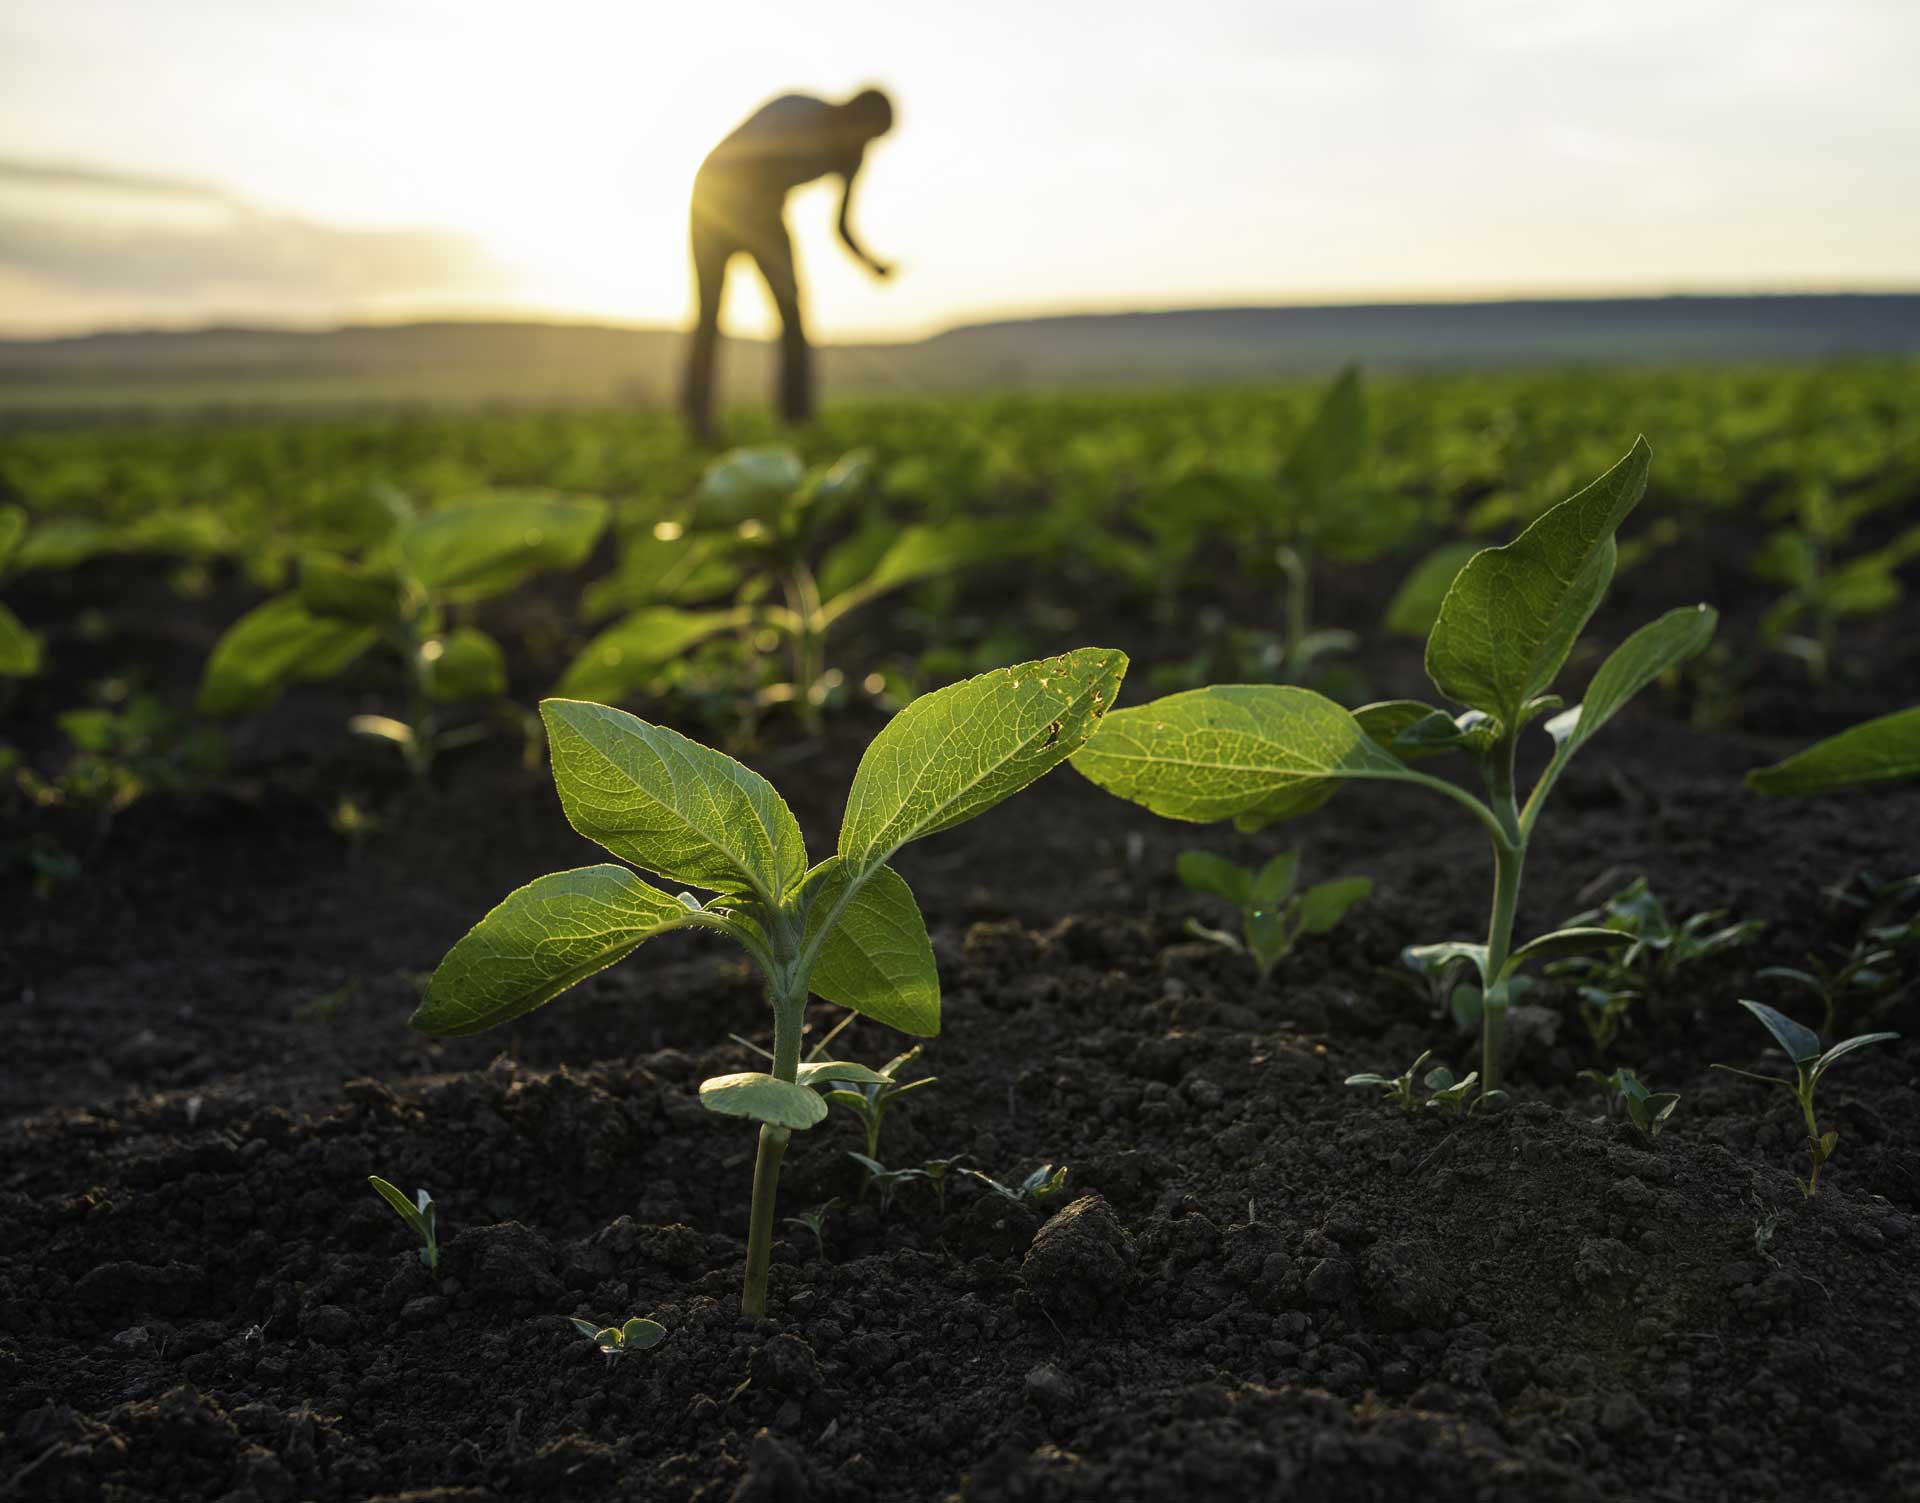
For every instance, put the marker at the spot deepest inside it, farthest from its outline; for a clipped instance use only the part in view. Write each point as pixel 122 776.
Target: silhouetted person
pixel 739 196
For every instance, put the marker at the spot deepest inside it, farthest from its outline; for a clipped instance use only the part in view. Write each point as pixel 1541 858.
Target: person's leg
pixel 710 255
pixel 773 253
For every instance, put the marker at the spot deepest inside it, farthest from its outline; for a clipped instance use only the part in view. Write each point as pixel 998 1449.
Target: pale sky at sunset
pixel 176 161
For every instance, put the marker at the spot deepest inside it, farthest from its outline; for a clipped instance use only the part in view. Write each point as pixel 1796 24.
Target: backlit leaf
pixel 877 959
pixel 1871 752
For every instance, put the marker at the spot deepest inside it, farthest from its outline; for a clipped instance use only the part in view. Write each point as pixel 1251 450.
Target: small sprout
pixel 1802 1046
pixel 1647 1111
pixel 1448 1095
pixel 890 1181
pixel 1399 1088
pixel 815 1221
pixel 418 1215
pixel 636 1335
pixel 936 1171
pixel 869 1098
pixel 1273 916
pixel 1045 1184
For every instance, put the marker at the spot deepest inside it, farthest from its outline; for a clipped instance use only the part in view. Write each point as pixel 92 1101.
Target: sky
pixel 177 162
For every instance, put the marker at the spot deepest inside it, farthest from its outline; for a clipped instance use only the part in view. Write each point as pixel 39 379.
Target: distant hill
pixel 537 363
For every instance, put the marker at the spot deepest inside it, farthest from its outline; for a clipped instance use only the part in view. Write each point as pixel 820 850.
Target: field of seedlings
pixel 1344 941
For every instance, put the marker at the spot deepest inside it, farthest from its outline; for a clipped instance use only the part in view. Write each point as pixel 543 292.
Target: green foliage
pixel 1647 1111
pixel 1260 753
pixel 418 1214
pixel 1037 1191
pixel 1820 586
pixel 1445 1093
pixel 869 1100
pixel 846 929
pixel 1867 969
pixel 1801 1045
pixel 637 1334
pixel 398 595
pixel 1875 751
pixel 1273 914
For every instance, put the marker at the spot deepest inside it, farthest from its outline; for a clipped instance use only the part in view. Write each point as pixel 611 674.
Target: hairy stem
pixel 1509 855
pixel 789 1011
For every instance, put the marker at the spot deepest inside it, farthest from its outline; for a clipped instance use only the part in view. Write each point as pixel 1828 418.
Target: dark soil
pixel 1265 1284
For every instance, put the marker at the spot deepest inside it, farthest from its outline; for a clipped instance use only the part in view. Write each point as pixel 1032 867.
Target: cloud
pixel 93 244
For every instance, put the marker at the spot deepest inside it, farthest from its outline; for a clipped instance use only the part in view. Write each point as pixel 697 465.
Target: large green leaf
pixel 622 658
pixel 670 805
pixel 877 958
pixel 464 664
pixel 960 750
pixel 1252 753
pixel 19 648
pixel 748 485
pixel 1634 664
pixel 273 645
pixel 13 527
pixel 541 940
pixel 1871 752
pixel 763 1098
pixel 484 548
pixel 1514 613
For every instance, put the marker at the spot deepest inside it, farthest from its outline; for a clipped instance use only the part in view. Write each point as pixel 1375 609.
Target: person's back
pixel 738 198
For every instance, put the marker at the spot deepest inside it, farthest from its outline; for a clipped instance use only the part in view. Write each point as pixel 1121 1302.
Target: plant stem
pixel 1509 855
pixel 789 1011
pixel 1297 565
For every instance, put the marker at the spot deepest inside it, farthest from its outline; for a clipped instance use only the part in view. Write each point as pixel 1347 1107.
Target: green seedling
pixel 937 1172
pixel 869 1098
pixel 1868 970
pixel 847 929
pixel 1448 1095
pixel 1822 587
pixel 1801 1045
pixel 20 650
pixel 636 1335
pixel 1609 984
pixel 399 595
pixel 1647 1111
pixel 1039 1189
pixel 889 1181
pixel 759 525
pixel 1260 753
pixel 1273 916
pixel 815 1221
pixel 418 1214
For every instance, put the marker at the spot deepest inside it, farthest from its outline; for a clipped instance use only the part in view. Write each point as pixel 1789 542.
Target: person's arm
pixel 878 268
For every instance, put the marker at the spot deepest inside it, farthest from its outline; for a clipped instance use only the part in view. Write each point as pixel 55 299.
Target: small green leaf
pixel 877 958
pixel 1416 605
pixel 273 645
pixel 813 1072
pixel 1431 960
pixel 587 1328
pixel 779 1103
pixel 1325 903
pixel 619 661
pixel 1276 881
pixel 1846 1047
pixel 1514 613
pixel 539 941
pixel 13 527
pixel 1635 663
pixel 670 805
pixel 19 648
pixel 405 1208
pixel 918 553
pixel 1253 753
pixel 1871 752
pixel 958 751
pixel 1564 942
pixel 464 664
pixel 1800 1042
pixel 480 549
pixel 639 1333
pixel 1202 871
pixel 607 1338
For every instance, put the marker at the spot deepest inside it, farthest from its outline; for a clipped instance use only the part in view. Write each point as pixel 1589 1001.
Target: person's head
pixel 869 114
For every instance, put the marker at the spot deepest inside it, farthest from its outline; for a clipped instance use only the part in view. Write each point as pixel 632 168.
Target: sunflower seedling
pixel 847 929
pixel 1259 753
pixel 1273 916
pixel 815 1221
pixel 1647 1111
pixel 636 1335
pixel 1045 1184
pixel 1448 1095
pixel 1801 1045
pixel 869 1098
pixel 417 1214
pixel 889 1181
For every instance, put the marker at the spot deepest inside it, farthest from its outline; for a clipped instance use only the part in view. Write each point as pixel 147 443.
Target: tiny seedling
pixel 1259 753
pixel 869 1097
pixel 1868 970
pixel 636 1335
pixel 418 1214
pixel 1801 1045
pixel 889 1181
pixel 815 1221
pixel 1045 1185
pixel 1273 916
pixel 1821 587
pixel 399 595
pixel 1448 1095
pixel 20 651
pixel 1647 1111
pixel 847 929
pixel 937 1172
